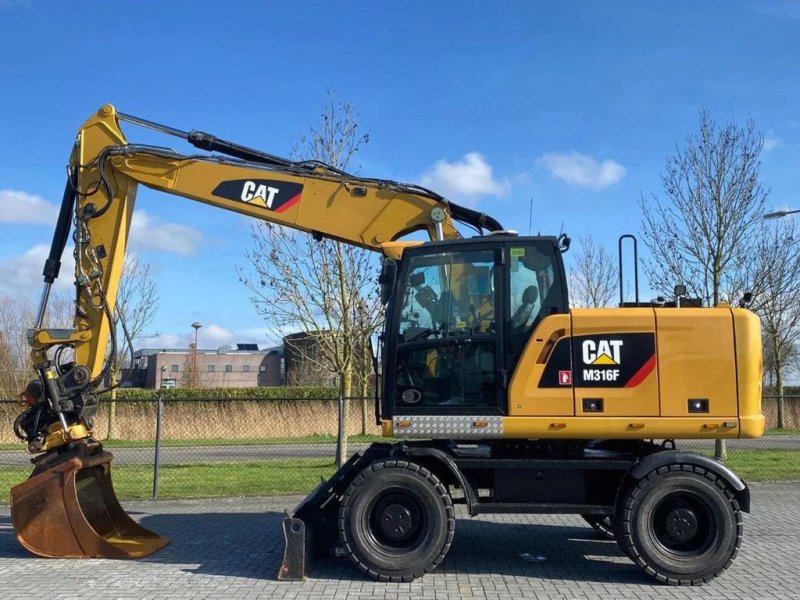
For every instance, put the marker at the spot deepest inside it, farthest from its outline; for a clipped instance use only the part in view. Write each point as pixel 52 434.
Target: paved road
pixel 202 454
pixel 211 454
pixel 231 549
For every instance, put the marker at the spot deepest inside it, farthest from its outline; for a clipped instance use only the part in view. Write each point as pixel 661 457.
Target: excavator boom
pixel 67 507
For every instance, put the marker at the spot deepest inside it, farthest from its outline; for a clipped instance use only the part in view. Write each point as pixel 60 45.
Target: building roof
pixel 221 350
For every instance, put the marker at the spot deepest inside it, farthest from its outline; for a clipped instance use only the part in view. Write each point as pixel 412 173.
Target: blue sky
pixel 576 105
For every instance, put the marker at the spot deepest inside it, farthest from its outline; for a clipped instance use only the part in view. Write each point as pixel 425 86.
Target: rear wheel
pixel 602 524
pixel 681 524
pixel 396 521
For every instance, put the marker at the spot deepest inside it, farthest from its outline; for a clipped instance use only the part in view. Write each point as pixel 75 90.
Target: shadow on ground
pixel 250 545
pixel 9 547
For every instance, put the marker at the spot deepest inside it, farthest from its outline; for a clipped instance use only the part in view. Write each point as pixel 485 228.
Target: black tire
pixel 602 524
pixel 681 524
pixel 396 521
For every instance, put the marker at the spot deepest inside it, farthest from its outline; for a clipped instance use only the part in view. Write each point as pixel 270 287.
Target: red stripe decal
pixel 642 373
pixel 289 203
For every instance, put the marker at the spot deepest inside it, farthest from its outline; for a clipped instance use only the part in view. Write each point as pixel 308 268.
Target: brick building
pixel 244 366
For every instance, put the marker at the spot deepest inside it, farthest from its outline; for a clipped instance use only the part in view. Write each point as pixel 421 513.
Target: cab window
pixel 446 352
pixel 535 291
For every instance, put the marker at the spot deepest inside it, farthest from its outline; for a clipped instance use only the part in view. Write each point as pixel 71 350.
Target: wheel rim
pixel 396 521
pixel 684 525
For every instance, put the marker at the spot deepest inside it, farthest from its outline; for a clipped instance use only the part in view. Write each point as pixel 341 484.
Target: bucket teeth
pixel 67 509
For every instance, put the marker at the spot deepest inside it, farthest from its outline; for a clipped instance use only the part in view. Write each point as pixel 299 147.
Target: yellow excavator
pixel 500 397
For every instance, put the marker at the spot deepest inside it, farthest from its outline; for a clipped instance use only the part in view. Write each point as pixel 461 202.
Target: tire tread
pixel 344 512
pixel 625 526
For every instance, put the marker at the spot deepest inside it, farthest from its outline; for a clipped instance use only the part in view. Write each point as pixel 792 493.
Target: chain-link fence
pixel 210 447
pixel 253 446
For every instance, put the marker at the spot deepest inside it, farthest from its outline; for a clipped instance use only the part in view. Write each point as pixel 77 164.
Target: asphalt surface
pixel 231 548
pixel 211 454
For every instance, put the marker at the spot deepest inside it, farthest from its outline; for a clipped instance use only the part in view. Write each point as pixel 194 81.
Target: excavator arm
pixel 67 507
pixel 104 173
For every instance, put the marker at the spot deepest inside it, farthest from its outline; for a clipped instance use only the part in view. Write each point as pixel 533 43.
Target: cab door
pixel 447 325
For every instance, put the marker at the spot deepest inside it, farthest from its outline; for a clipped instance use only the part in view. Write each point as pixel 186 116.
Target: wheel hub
pixel 396 522
pixel 682 524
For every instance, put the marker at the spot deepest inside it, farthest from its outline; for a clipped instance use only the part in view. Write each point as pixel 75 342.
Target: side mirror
pixel 563 242
pixel 747 298
pixel 386 280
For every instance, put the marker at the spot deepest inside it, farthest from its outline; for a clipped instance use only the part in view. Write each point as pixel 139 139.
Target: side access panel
pixel 697 362
pixel 615 371
pixel 542 381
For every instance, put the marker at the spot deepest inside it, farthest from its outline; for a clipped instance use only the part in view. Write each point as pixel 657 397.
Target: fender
pixel 651 462
pixel 448 463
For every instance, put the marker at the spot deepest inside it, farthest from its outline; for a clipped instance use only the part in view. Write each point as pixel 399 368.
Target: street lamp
pixel 779 213
pixel 196 326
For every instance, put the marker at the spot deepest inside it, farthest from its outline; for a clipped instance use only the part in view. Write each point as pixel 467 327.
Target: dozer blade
pixel 68 509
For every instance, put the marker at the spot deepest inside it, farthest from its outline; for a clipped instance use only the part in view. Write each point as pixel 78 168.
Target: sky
pixel 571 108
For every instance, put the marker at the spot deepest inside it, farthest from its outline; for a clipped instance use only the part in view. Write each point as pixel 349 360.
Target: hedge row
pixel 259 393
pixel 788 390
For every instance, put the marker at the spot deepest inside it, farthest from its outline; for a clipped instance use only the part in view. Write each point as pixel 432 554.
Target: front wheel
pixel 396 521
pixel 681 524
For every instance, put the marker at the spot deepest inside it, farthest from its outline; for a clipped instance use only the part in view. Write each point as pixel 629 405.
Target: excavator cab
pixel 67 509
pixel 458 319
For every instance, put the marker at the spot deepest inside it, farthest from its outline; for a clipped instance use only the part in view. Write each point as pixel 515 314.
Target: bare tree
pixel 702 231
pixel 323 288
pixel 17 315
pixel 777 302
pixel 593 279
pixel 137 305
pixel 191 376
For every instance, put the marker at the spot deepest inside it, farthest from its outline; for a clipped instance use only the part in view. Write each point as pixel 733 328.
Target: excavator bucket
pixel 67 509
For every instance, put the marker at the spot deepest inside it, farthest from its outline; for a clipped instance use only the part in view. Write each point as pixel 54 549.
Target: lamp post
pixel 161 379
pixel 779 214
pixel 159 417
pixel 196 326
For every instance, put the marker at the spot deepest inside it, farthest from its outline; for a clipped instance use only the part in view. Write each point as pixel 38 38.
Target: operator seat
pixel 523 314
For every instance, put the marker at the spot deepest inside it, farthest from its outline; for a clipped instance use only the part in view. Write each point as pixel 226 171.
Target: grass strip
pixel 764 465
pixel 301 475
pixel 254 478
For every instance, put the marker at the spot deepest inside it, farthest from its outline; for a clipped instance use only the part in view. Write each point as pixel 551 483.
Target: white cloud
pixel 22 207
pixel 467 178
pixel 582 170
pixel 215 335
pixel 208 337
pixel 771 142
pixel 148 232
pixel 23 273
pixel 163 340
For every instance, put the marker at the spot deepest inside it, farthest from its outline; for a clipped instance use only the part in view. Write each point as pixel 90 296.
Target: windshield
pixel 449 294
